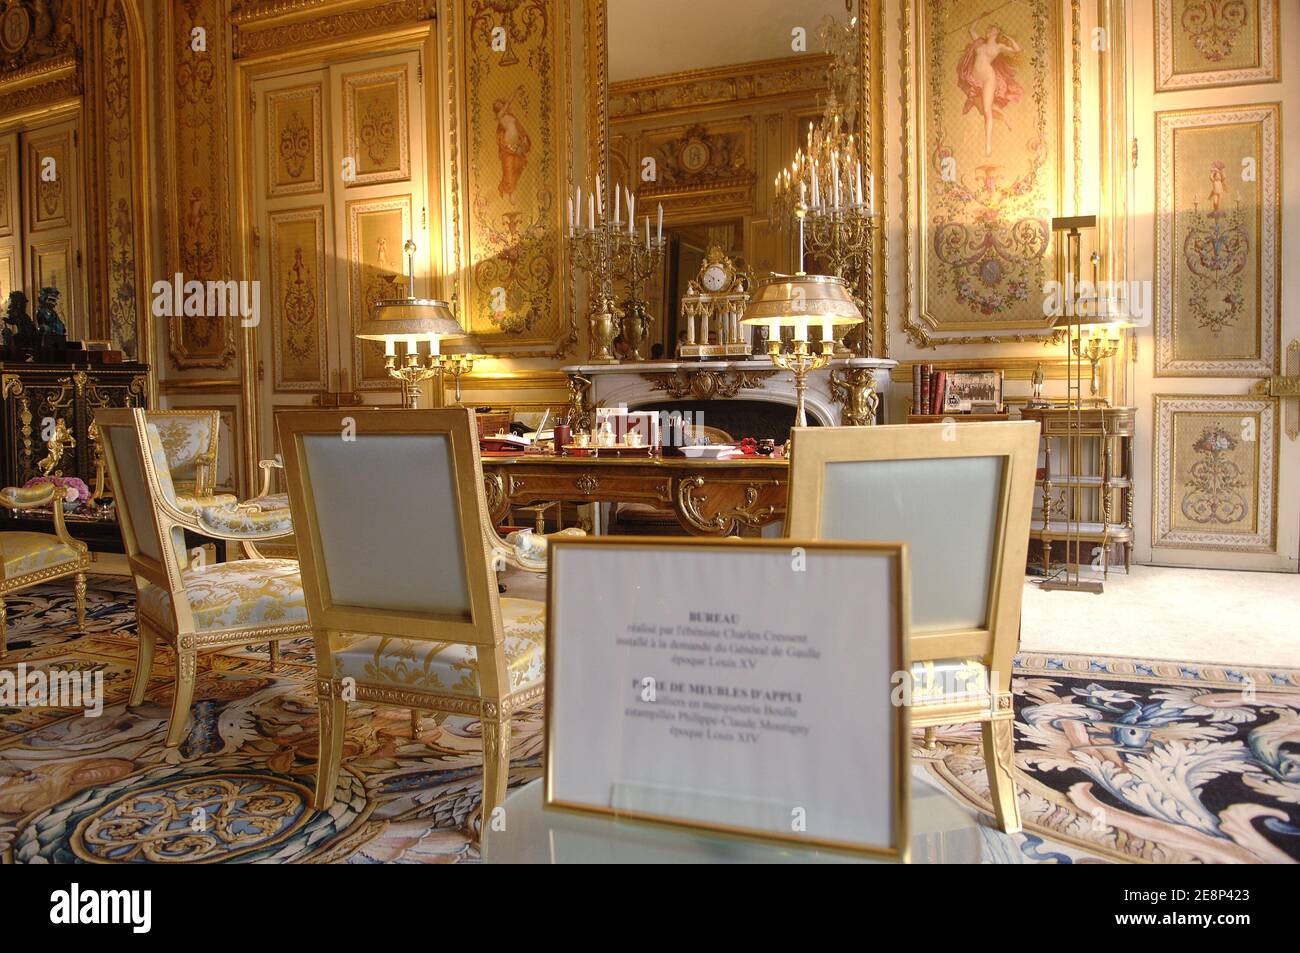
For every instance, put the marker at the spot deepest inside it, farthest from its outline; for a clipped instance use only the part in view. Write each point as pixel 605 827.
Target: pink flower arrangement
pixel 74 488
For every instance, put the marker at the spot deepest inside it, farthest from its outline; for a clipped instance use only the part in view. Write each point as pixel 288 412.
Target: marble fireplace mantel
pixel 840 395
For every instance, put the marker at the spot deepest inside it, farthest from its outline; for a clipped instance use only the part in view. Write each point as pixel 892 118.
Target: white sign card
pixel 739 686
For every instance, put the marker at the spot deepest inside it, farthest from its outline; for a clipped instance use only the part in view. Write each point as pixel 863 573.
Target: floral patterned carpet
pixel 1119 760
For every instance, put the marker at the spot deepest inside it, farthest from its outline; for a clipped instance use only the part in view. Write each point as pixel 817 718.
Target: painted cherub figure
pixel 987 78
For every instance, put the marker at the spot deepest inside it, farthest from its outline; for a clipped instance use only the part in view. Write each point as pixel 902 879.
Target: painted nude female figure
pixel 986 77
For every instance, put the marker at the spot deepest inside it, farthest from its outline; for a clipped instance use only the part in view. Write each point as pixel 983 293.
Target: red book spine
pixel 937 389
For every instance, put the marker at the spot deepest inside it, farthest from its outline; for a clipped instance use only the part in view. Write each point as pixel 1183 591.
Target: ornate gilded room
pixel 350 345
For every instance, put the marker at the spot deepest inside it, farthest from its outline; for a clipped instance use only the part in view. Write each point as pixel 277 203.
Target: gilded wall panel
pixel 49 173
pixel 7 215
pixel 1215 473
pixel 8 273
pixel 516 107
pixel 198 226
pixel 1202 43
pixel 1217 242
pixel 377 230
pixel 298 300
pixel 988 101
pixel 52 268
pixel 376 137
pixel 294 141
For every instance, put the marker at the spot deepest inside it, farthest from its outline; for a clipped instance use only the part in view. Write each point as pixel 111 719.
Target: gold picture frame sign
pixel 899 741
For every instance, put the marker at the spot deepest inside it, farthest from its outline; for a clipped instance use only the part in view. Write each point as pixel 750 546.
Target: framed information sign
pixel 744 687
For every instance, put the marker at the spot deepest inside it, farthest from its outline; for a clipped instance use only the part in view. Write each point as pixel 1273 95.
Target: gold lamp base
pixel 800 362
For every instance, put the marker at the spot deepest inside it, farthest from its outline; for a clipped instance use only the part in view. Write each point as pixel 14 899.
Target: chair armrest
pixel 243 524
pixel 24 498
pixel 525 549
pixel 205 473
pixel 267 466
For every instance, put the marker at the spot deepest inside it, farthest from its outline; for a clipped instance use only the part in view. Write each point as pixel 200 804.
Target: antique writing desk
pixel 709 497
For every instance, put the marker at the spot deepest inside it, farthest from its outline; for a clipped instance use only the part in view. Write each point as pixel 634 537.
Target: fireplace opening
pixel 760 419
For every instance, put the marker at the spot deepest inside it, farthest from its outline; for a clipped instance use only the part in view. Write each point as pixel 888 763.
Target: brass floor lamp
pixel 1069 579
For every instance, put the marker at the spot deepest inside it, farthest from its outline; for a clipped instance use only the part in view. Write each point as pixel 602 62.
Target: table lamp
pixel 801 301
pixel 410 319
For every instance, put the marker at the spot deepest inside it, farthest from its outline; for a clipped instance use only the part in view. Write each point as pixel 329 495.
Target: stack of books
pixel 928 387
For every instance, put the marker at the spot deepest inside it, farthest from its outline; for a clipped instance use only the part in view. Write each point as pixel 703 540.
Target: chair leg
pixel 79 589
pixel 496 761
pixel 143 664
pixel 186 666
pixel 999 761
pixel 333 714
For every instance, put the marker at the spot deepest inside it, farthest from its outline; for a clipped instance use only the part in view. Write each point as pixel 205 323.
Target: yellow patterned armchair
pixel 195 606
pixel 32 558
pixel 399 583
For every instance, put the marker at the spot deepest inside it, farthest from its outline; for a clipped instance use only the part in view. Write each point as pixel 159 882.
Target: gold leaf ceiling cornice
pixel 691 89
pixel 42 71
pixel 271 25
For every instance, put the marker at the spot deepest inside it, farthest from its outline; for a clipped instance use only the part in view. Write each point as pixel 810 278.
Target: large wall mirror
pixel 706 104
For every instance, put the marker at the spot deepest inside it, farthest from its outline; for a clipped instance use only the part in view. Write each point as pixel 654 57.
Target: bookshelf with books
pixel 938 394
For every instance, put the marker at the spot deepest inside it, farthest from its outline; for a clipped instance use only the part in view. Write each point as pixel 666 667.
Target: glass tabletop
pixel 943 832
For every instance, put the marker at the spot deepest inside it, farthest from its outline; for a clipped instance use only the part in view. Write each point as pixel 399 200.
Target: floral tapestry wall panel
pixel 989 141
pixel 294 141
pixel 1215 473
pixel 515 101
pixel 377 230
pixel 1202 43
pixel 298 299
pixel 199 229
pixel 376 137
pixel 1217 227
pixel 120 170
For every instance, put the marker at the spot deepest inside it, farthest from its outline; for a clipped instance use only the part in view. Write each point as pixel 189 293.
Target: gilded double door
pixel 339 163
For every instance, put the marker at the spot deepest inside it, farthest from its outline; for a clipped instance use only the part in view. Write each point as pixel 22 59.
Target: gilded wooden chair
pixel 33 558
pixel 190 439
pixel 962 501
pixel 396 551
pixel 195 606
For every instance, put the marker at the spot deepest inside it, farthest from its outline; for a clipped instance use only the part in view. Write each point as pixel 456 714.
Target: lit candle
pixel 659 236
pixel 631 212
pixel 618 205
pixel 600 200
pixel 570 217
pixel 591 212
